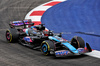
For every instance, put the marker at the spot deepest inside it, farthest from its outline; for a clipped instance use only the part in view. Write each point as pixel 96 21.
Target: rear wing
pixel 21 23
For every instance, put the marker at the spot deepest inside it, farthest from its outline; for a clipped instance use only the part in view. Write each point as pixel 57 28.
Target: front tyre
pixel 46 46
pixel 77 42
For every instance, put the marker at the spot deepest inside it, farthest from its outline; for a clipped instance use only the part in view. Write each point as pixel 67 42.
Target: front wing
pixel 70 52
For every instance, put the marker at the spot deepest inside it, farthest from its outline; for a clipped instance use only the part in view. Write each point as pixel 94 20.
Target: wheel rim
pixel 44 48
pixel 8 36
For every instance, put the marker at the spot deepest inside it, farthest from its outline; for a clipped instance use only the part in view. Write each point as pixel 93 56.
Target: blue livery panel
pixel 28 39
pixel 71 48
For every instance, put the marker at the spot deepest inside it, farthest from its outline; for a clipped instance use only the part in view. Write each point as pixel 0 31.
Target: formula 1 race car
pixel 48 42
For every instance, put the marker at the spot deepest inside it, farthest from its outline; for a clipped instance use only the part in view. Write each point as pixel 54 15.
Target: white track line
pixel 94 53
pixel 37 18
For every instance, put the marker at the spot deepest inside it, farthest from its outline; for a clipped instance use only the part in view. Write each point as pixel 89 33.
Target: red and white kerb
pixel 36 14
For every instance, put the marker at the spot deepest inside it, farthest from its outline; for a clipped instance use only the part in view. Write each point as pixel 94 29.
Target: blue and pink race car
pixel 25 33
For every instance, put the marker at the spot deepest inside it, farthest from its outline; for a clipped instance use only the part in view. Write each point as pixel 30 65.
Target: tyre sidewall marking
pixel 10 36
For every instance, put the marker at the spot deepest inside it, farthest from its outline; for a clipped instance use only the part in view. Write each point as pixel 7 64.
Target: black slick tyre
pixel 12 35
pixel 46 46
pixel 77 42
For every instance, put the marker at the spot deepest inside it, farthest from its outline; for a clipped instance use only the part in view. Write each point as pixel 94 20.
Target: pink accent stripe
pixel 86 48
pixel 52 3
pixel 37 13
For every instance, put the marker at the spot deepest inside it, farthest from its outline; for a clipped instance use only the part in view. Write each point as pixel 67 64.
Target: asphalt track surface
pixel 14 54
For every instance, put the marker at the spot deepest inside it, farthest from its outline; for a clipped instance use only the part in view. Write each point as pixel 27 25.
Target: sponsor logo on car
pixel 63 52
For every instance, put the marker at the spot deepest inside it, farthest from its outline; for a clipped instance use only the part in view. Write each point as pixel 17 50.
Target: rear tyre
pixel 12 35
pixel 46 46
pixel 77 42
